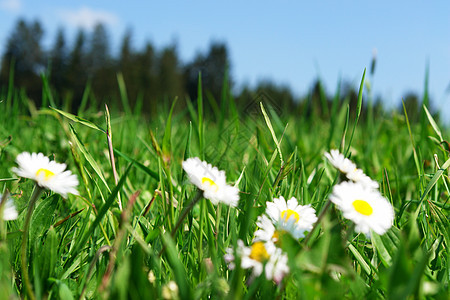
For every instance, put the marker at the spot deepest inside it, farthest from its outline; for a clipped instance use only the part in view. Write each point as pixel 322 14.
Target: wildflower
pixel 340 162
pixel 359 176
pixel 47 174
pixel 170 291
pixel 366 207
pixel 229 258
pixel 264 256
pixel 9 210
pixel 151 277
pixel 267 231
pixel 212 181
pixel 291 217
pixel 349 169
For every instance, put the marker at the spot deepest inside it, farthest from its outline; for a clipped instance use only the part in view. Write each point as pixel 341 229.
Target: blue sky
pixel 289 42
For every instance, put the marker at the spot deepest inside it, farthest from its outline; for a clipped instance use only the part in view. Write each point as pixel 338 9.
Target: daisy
pixel 291 217
pixel 359 176
pixel 47 174
pixel 349 169
pixel 229 257
pixel 366 207
pixel 266 257
pixel 9 210
pixel 340 162
pixel 212 181
pixel 267 231
pixel 170 290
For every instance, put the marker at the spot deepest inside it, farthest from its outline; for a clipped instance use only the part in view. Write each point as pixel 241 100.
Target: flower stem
pixel 23 253
pixel 203 215
pixel 319 219
pixel 349 233
pixel 2 209
pixel 185 211
pixel 218 215
pixel 183 215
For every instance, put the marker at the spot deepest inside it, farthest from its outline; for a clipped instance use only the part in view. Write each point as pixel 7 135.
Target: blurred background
pixel 290 50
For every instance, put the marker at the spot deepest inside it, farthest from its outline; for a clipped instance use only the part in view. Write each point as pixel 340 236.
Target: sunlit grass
pixel 139 229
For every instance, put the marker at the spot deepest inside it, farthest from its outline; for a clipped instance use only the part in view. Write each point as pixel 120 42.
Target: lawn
pixel 144 224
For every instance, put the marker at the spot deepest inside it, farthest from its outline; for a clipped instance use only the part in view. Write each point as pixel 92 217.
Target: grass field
pixel 139 229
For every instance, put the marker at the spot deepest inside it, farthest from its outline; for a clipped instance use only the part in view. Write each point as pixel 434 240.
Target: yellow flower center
pixel 209 182
pixel 259 252
pixel 47 173
pixel 363 207
pixel 289 213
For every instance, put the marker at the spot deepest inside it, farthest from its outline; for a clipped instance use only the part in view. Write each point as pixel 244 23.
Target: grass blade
pixel 102 212
pixel 79 120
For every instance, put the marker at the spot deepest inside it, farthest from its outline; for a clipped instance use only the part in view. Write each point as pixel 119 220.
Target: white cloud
pixel 13 6
pixel 87 18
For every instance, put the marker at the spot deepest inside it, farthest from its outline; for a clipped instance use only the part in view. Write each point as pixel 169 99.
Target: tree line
pixel 152 76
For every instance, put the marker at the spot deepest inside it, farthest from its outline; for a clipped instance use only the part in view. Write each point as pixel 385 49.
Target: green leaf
pixel 433 123
pixel 79 120
pixel 102 212
pixel 166 144
pixel 46 90
pixel 64 291
pixel 8 179
pixel 358 110
pixel 42 216
pixel 416 160
pixel 48 256
pixel 383 253
pixel 360 94
pixel 177 267
pixel 92 162
pixel 274 137
pixel 362 262
pixel 123 94
pixel 85 98
pixel 435 178
pixel 138 164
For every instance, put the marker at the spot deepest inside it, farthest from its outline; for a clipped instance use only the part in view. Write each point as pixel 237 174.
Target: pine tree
pixel 58 64
pixel 147 79
pixel 24 52
pixel 169 74
pixel 212 67
pixel 128 66
pixel 77 73
pixel 101 69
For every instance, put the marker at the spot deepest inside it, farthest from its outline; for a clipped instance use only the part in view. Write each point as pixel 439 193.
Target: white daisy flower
pixel 276 267
pixel 170 290
pixel 212 181
pixel 266 257
pixel 359 176
pixel 229 258
pixel 9 210
pixel 291 217
pixel 340 162
pixel 267 231
pixel 366 207
pixel 347 167
pixel 47 174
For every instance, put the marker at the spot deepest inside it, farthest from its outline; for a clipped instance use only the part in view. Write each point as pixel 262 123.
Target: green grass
pixel 88 247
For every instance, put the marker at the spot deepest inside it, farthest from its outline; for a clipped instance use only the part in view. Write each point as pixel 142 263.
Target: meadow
pixel 140 228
